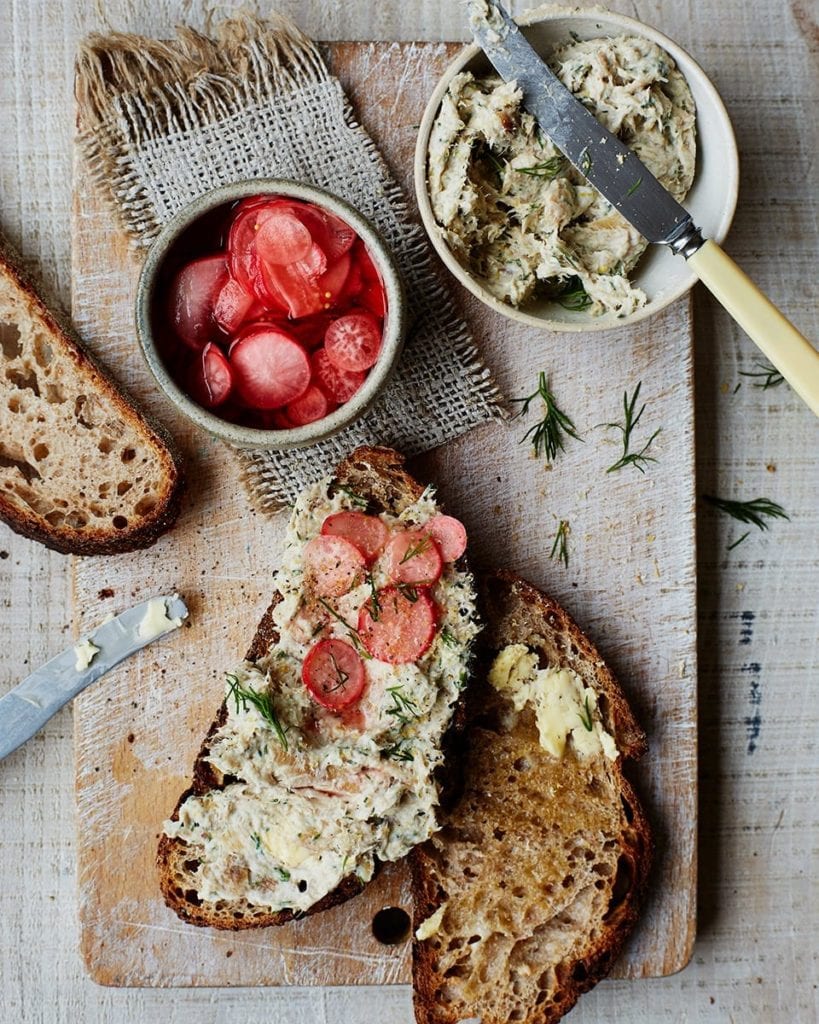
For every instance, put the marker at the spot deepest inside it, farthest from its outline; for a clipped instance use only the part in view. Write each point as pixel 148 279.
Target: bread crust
pixel 154 523
pixel 379 475
pixel 504 594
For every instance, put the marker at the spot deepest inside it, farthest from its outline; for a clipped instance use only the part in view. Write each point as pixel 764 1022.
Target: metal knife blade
pixel 26 708
pixel 611 167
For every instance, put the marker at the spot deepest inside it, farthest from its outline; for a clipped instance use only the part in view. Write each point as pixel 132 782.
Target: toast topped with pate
pixel 322 761
pixel 525 896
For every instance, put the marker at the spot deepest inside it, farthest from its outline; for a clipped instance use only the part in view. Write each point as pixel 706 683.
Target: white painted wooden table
pixel 756 955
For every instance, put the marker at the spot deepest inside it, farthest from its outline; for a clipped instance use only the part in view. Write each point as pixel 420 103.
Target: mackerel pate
pixel 518 215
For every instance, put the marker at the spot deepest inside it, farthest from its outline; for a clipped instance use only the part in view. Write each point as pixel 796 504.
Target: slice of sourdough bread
pixel 81 469
pixel 378 476
pixel 530 888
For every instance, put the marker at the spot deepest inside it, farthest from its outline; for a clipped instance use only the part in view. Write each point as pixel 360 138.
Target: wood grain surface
pixel 756 959
pixel 630 580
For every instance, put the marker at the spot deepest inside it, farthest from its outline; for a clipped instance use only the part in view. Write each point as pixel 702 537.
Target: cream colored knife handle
pixel 791 353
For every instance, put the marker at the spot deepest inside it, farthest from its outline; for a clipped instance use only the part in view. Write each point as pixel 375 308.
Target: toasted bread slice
pixel 527 893
pixel 377 475
pixel 81 469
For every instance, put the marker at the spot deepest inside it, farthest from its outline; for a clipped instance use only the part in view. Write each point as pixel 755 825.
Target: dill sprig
pixel 753 512
pixel 769 376
pixel 547 169
pixel 496 162
pixel 400 751
pixel 328 607
pixel 586 718
pixel 416 549
pixel 637 459
pixel 261 700
pixel 574 296
pixel 548 435
pixel 356 499
pixel 447 638
pixel 739 540
pixel 354 634
pixel 375 604
pixel 341 675
pixel 404 709
pixel 560 548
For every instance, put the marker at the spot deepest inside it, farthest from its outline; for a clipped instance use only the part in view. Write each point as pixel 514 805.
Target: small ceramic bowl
pixel 663 276
pixel 147 322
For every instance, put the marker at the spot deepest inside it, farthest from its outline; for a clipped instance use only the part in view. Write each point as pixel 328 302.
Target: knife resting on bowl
pixel 625 181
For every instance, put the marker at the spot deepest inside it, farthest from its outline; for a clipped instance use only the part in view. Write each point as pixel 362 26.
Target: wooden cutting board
pixel 630 581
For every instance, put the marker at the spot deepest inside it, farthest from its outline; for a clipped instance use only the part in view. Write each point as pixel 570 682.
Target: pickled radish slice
pixel 340 385
pixel 372 297
pixel 449 534
pixel 270 368
pixel 334 235
pixel 211 380
pixel 280 420
pixel 333 672
pixel 313 405
pixel 297 286
pixel 354 283
pixel 412 557
pixel 314 263
pixel 243 255
pixel 193 296
pixel 282 238
pixel 331 285
pixel 340 235
pixel 232 306
pixel 397 626
pixel 332 566
pixel 353 341
pixel 309 330
pixel 371 294
pixel 368 533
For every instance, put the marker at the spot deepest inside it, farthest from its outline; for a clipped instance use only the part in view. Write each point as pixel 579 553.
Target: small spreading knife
pixel 26 708
pixel 630 187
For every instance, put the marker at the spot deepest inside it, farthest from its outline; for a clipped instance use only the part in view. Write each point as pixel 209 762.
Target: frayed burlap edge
pixel 130 89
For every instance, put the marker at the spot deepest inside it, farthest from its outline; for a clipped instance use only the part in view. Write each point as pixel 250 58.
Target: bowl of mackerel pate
pixel 523 229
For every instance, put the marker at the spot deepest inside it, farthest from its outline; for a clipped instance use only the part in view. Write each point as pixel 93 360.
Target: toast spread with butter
pixel 322 761
pixel 525 896
pixel 81 468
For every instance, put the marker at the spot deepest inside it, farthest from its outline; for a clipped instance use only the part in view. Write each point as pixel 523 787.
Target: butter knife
pixel 26 708
pixel 631 188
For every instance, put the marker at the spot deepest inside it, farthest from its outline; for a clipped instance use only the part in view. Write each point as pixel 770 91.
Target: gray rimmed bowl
pixel 395 320
pixel 712 200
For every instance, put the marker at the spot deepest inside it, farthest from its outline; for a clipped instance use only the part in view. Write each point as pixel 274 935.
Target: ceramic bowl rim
pixel 691 71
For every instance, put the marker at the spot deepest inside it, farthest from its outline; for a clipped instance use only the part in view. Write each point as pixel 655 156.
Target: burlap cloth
pixel 163 122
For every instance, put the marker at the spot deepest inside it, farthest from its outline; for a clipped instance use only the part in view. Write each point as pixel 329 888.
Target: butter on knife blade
pixel 26 708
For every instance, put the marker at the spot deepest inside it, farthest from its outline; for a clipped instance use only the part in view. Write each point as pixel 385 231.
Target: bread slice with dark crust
pixel 541 863
pixel 82 470
pixel 378 475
